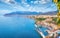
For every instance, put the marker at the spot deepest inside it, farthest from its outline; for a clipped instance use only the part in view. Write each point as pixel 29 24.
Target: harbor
pixel 48 26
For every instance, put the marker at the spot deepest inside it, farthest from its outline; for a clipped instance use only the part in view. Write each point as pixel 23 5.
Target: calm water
pixel 17 27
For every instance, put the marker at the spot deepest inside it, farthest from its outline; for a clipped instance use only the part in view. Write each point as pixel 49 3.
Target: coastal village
pixel 50 22
pixel 46 21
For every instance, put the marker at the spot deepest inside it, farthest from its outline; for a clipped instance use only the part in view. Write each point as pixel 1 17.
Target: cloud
pixel 27 7
pixel 44 1
pixel 10 2
pixel 13 4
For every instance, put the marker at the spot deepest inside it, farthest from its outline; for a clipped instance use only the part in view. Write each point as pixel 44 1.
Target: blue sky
pixel 27 5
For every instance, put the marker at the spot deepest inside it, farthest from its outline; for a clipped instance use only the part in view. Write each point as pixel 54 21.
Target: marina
pixel 47 29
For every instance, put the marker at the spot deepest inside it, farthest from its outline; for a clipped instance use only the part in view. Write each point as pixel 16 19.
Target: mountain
pixel 50 13
pixel 30 13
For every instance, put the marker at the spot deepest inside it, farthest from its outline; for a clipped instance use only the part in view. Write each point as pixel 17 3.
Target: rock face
pixel 30 13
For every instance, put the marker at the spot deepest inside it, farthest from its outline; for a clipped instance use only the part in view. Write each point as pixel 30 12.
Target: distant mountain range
pixel 31 13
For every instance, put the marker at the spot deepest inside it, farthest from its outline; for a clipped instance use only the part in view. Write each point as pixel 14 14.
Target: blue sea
pixel 17 27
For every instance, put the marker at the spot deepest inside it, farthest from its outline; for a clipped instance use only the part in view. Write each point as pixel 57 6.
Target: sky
pixel 27 5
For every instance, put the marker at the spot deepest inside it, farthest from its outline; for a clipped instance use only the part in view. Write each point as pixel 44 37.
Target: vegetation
pixel 40 19
pixel 55 20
